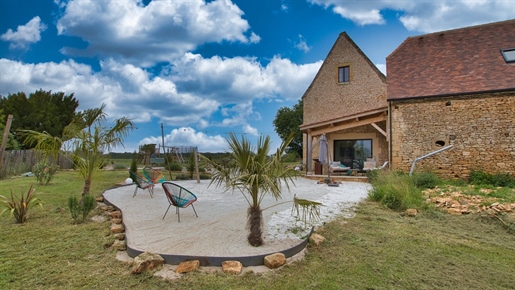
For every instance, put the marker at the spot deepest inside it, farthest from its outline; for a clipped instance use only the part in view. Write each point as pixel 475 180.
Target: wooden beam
pixel 379 129
pixel 348 125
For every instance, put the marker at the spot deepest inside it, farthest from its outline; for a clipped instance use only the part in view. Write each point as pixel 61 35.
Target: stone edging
pixel 256 260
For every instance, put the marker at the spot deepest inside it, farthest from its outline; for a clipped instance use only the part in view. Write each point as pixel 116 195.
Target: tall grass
pixel 399 191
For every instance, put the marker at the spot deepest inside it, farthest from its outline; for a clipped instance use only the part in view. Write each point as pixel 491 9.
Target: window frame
pixel 505 56
pixel 347 77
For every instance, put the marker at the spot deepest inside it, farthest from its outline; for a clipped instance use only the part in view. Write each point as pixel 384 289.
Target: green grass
pixel 378 249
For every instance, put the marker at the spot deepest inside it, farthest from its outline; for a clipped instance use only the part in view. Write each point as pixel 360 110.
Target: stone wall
pixel 326 99
pixel 481 129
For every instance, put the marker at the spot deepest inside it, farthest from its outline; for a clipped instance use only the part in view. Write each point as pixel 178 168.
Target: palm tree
pixel 84 141
pixel 255 174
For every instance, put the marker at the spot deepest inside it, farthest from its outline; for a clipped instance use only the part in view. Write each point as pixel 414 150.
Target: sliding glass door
pixel 353 153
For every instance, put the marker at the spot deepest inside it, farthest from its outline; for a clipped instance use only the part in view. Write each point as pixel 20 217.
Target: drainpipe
pixel 427 155
pixel 390 141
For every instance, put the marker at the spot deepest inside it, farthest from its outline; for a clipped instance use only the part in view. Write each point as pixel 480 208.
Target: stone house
pixel 347 101
pixel 456 88
pixel 453 87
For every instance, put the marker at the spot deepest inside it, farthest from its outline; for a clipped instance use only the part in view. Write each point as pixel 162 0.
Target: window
pixel 508 54
pixel 343 74
pixel 353 153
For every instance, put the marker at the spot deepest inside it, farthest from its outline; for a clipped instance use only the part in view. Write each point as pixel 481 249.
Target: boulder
pixel 316 239
pixel 411 212
pixel 274 261
pixel 115 214
pixel 146 262
pixel 119 236
pixel 117 228
pixel 187 266
pixel 117 221
pixel 232 267
pixel 119 245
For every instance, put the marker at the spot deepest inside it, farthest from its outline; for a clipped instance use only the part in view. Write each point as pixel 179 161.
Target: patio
pixel 220 229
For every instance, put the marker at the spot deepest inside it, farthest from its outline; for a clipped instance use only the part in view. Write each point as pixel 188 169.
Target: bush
pixel 204 176
pixel 80 211
pixel 426 180
pixel 19 207
pixel 372 175
pixel 479 177
pixel 182 177
pixel 134 164
pixel 175 167
pixel 290 157
pixel 44 172
pixel 118 166
pixel 396 191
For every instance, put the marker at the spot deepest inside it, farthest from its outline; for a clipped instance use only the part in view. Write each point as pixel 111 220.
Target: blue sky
pixel 203 68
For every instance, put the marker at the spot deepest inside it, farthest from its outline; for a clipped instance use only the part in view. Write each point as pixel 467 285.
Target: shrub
pixel 80 211
pixel 182 177
pixel 426 180
pixel 204 176
pixel 175 167
pixel 134 164
pixel 118 166
pixel 44 172
pixel 290 157
pixel 372 175
pixel 19 206
pixel 479 177
pixel 396 191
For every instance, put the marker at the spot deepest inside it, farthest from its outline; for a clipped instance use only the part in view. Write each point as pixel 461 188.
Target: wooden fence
pixel 17 162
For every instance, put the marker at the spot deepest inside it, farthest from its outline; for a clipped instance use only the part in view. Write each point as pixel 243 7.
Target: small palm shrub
pixel 19 206
pixel 44 172
pixel 80 211
pixel 396 191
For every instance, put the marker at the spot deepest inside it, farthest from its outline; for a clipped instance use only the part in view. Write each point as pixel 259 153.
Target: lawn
pixel 378 249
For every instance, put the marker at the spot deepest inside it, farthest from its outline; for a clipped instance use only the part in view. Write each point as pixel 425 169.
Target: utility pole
pixel 164 151
pixel 4 139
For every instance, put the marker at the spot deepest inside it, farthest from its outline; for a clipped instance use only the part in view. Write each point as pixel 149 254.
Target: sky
pixel 202 69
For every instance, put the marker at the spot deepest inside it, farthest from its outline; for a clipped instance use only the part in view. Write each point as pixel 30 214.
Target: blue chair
pixel 143 183
pixel 179 197
pixel 153 175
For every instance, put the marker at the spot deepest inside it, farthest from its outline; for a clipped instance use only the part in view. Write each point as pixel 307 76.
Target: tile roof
pixel 465 60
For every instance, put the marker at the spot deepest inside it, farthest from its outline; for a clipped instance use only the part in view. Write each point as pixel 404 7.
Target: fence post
pixel 4 139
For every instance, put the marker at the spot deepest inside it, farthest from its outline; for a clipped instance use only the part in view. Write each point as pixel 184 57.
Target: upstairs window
pixel 344 74
pixel 508 54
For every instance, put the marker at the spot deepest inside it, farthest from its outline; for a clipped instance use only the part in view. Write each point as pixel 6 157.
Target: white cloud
pixel 144 35
pixel 247 129
pixel 424 16
pixel 187 97
pixel 381 67
pixel 25 34
pixel 302 45
pixel 360 17
pixel 186 137
pixel 238 79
